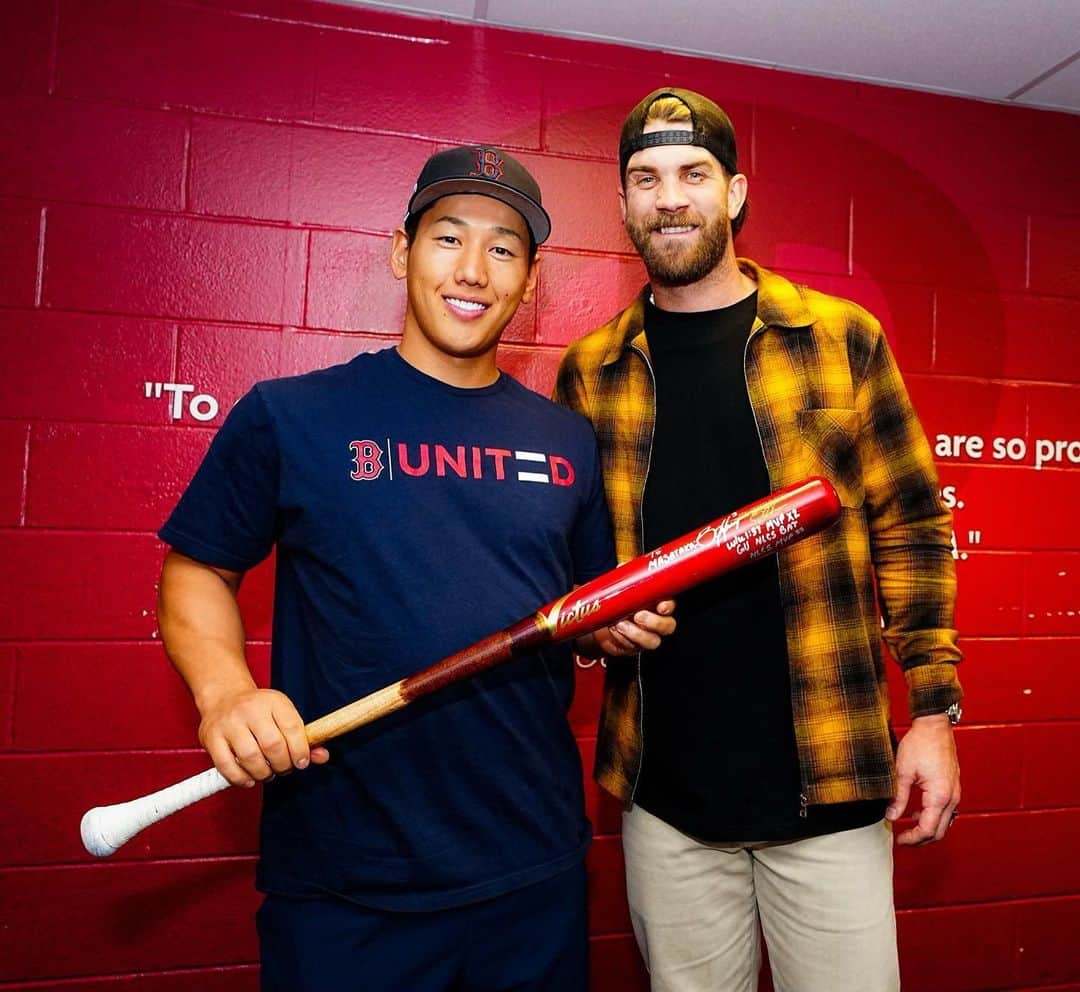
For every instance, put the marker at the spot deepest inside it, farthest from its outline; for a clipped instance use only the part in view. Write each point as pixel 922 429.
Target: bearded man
pixel 753 750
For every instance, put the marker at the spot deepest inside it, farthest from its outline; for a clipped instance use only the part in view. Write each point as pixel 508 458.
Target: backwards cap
pixel 711 129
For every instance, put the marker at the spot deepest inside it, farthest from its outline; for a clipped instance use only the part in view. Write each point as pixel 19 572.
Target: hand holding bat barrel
pixel 745 535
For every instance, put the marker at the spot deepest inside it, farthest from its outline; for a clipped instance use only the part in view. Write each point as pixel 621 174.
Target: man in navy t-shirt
pixel 418 500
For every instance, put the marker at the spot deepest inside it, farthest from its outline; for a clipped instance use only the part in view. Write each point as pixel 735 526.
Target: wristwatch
pixel 954 713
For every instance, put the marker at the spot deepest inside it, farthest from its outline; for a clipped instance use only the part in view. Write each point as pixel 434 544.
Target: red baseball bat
pixel 761 528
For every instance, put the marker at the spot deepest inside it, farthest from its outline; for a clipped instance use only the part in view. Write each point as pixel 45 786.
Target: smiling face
pixel 678 203
pixel 467 270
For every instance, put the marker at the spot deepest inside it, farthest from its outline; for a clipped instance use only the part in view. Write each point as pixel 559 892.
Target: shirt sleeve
pixel 227 516
pixel 592 544
pixel 910 537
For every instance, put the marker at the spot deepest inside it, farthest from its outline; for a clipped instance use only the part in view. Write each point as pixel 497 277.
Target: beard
pixel 680 264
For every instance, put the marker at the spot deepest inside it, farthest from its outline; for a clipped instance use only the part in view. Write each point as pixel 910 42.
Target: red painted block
pixel 239 978
pixel 607 887
pixel 877 137
pixel 172 55
pixel 616 965
pixel 222 363
pixel 303 351
pixel 29 29
pixel 1052 604
pixel 7 696
pixel 151 264
pixel 789 230
pixel 258 659
pixel 222 824
pixel 1021 679
pixel 911 233
pixel 62 150
pixel 350 286
pixel 603 810
pixel 534 367
pixel 727 81
pixel 241 168
pixel 1055 255
pixel 795 141
pixel 990 593
pixel 581 292
pixel 138 700
pixel 1014 508
pixel 992 857
pixel 304 175
pixel 399 84
pixel 1046 941
pixel 13 445
pixel 946 137
pixel 256 601
pixel 583 201
pixel 68 586
pixel 904 312
pixel 90 368
pixel 1051 773
pixel 522 329
pixel 956 413
pixel 959 949
pixel 588 692
pixel 1020 336
pixel 126 917
pixel 1053 412
pixel 585 105
pixel 360 181
pixel 991 767
pixel 20 226
pixel 108 477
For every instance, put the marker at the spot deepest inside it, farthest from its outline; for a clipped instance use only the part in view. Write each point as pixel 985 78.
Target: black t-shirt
pixel 719 759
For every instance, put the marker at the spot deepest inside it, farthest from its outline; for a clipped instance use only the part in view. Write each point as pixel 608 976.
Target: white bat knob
pixel 105 829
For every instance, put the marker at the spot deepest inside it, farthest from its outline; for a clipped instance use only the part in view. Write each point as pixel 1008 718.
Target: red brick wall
pixel 201 194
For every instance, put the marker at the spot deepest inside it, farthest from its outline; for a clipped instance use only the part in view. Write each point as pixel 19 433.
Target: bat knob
pixel 92 829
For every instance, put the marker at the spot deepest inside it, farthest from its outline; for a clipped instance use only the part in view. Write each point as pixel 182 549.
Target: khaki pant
pixel 825 906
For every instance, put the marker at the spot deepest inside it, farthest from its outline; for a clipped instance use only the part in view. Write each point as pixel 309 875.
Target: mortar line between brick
pixel 39 276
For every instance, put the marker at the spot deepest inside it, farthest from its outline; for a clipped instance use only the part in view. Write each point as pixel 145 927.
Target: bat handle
pixel 104 829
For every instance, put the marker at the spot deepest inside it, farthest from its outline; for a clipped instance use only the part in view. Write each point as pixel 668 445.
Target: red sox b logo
pixel 367 460
pixel 488 164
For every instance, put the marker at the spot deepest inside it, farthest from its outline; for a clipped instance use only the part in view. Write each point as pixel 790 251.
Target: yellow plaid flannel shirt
pixel 828 400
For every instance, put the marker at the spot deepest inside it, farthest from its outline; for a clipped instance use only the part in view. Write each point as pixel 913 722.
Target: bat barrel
pixel 759 529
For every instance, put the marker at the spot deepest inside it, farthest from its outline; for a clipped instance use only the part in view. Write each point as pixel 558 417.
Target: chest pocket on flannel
pixel 829 437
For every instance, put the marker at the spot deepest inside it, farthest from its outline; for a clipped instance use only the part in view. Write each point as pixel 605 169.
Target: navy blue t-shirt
pixel 411 518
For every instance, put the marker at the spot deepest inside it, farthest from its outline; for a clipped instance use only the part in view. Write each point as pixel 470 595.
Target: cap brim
pixel 535 216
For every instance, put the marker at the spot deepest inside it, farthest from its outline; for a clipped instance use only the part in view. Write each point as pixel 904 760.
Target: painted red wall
pixel 200 195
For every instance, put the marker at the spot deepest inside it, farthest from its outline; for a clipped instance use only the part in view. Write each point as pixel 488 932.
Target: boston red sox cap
pixel 488 172
pixel 711 129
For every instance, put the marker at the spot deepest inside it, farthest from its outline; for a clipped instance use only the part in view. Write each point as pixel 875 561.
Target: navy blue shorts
pixel 532 940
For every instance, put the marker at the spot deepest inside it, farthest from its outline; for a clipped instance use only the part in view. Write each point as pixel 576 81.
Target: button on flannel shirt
pixel 828 400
